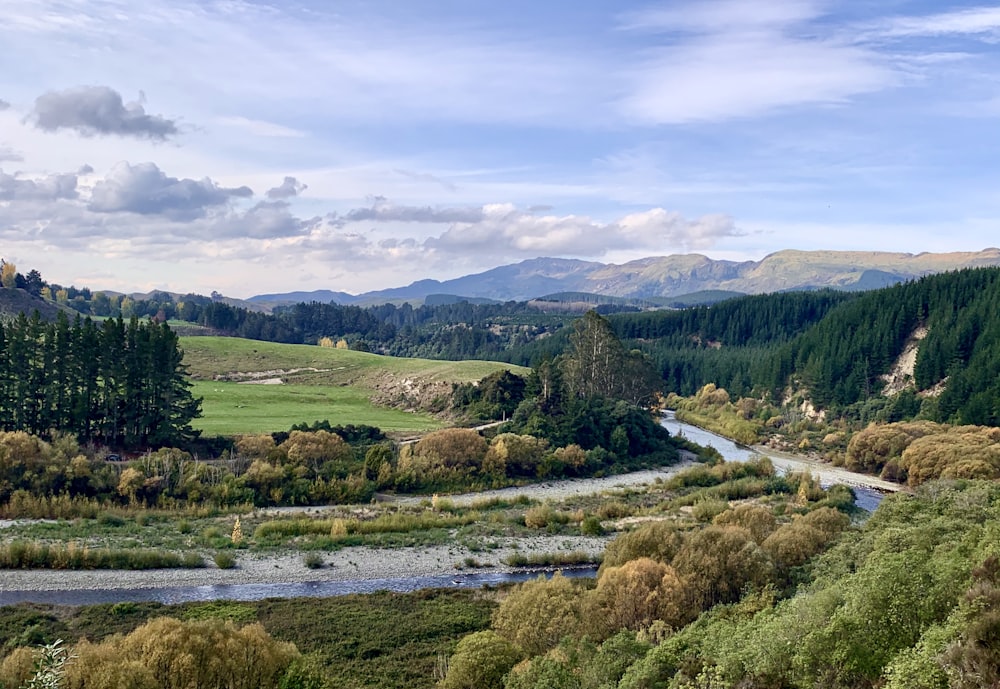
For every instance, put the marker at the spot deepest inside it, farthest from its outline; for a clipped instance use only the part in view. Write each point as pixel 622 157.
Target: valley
pixel 319 469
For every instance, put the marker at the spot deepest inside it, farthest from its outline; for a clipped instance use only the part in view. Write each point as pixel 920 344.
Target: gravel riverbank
pixel 341 565
pixel 361 563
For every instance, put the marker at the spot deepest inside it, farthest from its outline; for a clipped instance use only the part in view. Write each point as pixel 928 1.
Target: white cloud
pixel 744 59
pixel 8 154
pixel 262 128
pixel 982 21
pixel 508 232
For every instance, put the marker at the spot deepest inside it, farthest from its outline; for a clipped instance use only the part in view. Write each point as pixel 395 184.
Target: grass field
pixel 318 383
pixel 233 408
pixel 207 357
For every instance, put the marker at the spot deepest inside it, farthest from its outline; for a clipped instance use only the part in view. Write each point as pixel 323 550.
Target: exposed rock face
pixel 900 376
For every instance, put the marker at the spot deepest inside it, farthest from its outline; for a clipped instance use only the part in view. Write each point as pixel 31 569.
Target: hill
pixel 250 386
pixel 674 276
pixel 839 351
pixel 15 301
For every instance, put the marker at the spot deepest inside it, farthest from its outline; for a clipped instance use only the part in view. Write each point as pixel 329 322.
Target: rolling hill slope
pixel 250 386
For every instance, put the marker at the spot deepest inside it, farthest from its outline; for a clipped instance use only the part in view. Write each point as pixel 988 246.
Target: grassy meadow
pixel 208 357
pixel 317 383
pixel 234 408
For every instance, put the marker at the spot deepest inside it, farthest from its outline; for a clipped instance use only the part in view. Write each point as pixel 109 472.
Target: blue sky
pixel 249 147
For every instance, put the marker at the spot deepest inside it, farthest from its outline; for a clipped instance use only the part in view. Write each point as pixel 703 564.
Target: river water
pixel 245 592
pixel 867 498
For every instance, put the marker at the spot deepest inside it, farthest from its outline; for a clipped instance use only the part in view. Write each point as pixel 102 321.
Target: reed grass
pixel 31 555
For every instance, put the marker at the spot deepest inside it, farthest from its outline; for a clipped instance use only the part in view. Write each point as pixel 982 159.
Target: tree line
pixel 119 384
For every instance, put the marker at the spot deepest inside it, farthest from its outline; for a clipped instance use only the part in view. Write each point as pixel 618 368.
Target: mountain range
pixel 666 276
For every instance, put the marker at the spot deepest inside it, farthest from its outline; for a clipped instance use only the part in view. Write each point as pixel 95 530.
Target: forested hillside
pixel 833 348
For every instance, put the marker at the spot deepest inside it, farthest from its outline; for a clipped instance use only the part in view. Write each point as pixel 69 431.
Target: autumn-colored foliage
pixel 536 615
pixel 170 654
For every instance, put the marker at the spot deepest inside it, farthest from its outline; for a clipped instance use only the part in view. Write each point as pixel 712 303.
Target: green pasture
pixel 233 408
pixel 207 357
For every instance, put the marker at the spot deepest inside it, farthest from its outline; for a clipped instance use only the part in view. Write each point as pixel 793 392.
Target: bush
pixel 28 555
pixel 615 509
pixel 544 515
pixel 538 614
pixel 591 526
pixel 707 510
pixel 224 560
pixel 313 560
pixel 480 662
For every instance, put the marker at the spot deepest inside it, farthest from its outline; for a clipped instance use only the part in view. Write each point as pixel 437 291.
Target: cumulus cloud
pixel 49 188
pixel 146 190
pixel 382 210
pixel 289 188
pixel 85 169
pixel 98 110
pixel 266 220
pixel 3 105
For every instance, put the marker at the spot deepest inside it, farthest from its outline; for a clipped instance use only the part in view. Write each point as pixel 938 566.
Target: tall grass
pixel 30 555
pixel 399 522
pixel 24 505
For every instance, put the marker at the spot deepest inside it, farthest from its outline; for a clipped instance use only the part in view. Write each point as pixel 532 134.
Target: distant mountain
pixel 323 296
pixel 673 276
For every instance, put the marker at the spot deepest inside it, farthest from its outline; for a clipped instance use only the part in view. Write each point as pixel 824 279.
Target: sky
pixel 248 148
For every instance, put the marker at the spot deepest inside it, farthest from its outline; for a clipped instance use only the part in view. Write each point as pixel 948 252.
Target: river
pixel 868 489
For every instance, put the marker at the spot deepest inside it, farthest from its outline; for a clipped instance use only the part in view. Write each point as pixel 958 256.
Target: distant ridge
pixel 670 276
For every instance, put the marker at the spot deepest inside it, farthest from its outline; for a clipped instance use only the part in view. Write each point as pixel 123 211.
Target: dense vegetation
pixel 832 345
pixel 380 640
pixel 836 347
pixel 907 600
pixel 389 640
pixel 119 384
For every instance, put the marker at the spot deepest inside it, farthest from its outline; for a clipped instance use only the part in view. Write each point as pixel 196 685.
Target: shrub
pixel 544 515
pixel 480 662
pixel 707 510
pixel 163 653
pixel 657 540
pixel 613 510
pixel 538 614
pixel 313 560
pixel 591 526
pixel 224 560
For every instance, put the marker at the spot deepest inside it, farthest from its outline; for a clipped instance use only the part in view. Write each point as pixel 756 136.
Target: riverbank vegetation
pixel 751 598
pixel 379 640
pixel 397 640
